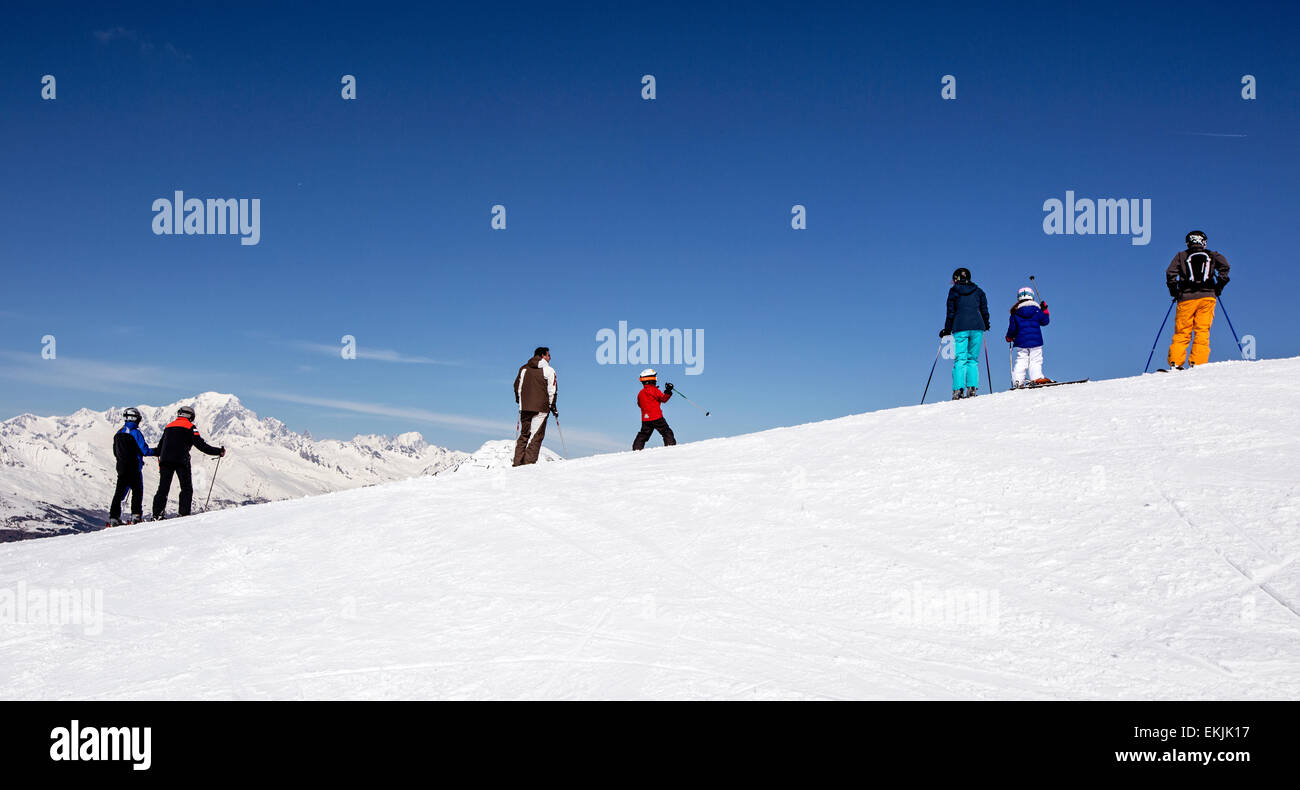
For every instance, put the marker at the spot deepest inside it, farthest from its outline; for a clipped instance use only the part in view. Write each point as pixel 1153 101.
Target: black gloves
pixel 555 411
pixel 1220 285
pixel 1044 307
pixel 944 333
pixel 1173 289
pixel 668 388
pixel 987 326
pixel 223 452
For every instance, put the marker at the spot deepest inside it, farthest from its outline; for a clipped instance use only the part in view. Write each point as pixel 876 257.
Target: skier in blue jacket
pixel 130 449
pixel 968 320
pixel 1026 333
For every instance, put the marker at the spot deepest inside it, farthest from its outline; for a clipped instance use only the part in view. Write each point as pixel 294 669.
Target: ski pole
pixel 1233 328
pixel 932 367
pixel 212 483
pixel 1011 363
pixel 563 446
pixel 1172 302
pixel 987 367
pixel 1034 284
pixel 688 400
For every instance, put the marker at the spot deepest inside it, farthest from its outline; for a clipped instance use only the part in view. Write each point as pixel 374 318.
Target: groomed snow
pixel 1123 539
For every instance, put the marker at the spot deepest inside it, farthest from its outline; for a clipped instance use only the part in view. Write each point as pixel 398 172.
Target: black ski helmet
pixel 131 415
pixel 1195 239
pixel 962 275
pixel 187 412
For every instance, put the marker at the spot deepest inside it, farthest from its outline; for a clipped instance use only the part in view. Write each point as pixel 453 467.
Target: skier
pixel 535 389
pixel 173 453
pixel 1195 278
pixel 968 319
pixel 1026 332
pixel 130 449
pixel 652 416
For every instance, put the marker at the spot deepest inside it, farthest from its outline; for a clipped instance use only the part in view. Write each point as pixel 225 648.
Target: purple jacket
pixel 1026 328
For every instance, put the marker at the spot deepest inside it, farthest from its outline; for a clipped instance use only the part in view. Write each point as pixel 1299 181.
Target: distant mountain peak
pixel 57 473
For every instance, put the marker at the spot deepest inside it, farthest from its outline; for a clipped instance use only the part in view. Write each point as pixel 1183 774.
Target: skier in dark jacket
pixel 968 320
pixel 174 459
pixel 1026 332
pixel 535 388
pixel 130 449
pixel 652 415
pixel 1196 278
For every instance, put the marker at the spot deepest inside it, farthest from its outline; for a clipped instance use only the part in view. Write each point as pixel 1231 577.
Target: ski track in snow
pixel 1118 549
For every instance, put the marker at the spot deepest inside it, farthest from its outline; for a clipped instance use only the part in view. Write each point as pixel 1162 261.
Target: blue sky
pixel 672 213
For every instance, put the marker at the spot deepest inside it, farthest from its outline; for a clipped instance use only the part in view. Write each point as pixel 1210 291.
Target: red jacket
pixel 649 399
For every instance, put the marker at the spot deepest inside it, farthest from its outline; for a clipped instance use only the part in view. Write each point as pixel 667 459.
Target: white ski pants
pixel 1028 360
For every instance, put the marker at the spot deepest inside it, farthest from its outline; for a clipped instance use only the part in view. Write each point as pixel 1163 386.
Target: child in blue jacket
pixel 130 449
pixel 1026 333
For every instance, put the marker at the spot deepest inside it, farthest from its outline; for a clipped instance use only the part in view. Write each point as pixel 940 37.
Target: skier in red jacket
pixel 652 416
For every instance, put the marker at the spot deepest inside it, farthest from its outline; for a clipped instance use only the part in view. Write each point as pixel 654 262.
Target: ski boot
pixel 958 394
pixel 112 522
pixel 136 518
pixel 972 391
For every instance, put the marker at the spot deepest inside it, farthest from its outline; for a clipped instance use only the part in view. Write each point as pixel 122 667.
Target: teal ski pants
pixel 966 361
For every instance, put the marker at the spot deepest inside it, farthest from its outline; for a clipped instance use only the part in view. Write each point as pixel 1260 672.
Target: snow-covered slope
pixel 1134 538
pixel 493 455
pixel 57 473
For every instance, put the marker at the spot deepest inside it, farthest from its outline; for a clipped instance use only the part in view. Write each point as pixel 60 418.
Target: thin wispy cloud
pixel 384 410
pixel 115 34
pixel 88 375
pixel 462 422
pixel 119 34
pixel 1212 134
pixel 375 354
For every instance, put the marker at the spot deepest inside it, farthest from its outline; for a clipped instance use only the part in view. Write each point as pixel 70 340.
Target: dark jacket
pixel 1186 283
pixel 535 386
pixel 177 439
pixel 1026 328
pixel 968 308
pixel 130 448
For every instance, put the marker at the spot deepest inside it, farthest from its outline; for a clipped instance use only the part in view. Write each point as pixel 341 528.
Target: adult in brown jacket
pixel 535 395
pixel 1195 278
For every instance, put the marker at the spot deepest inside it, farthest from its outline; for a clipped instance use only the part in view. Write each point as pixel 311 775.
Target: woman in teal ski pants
pixel 968 320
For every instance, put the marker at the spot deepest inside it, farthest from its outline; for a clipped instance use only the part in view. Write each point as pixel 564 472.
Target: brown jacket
pixel 535 386
pixel 1184 287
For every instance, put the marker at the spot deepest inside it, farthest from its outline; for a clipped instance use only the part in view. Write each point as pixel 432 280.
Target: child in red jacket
pixel 652 416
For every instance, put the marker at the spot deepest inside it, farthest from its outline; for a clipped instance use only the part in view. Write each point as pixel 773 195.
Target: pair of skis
pixel 1049 384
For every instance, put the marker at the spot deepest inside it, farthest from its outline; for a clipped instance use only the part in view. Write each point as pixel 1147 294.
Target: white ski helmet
pixel 648 375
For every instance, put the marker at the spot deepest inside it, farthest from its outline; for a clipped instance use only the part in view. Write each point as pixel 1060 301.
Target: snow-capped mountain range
pixel 57 473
